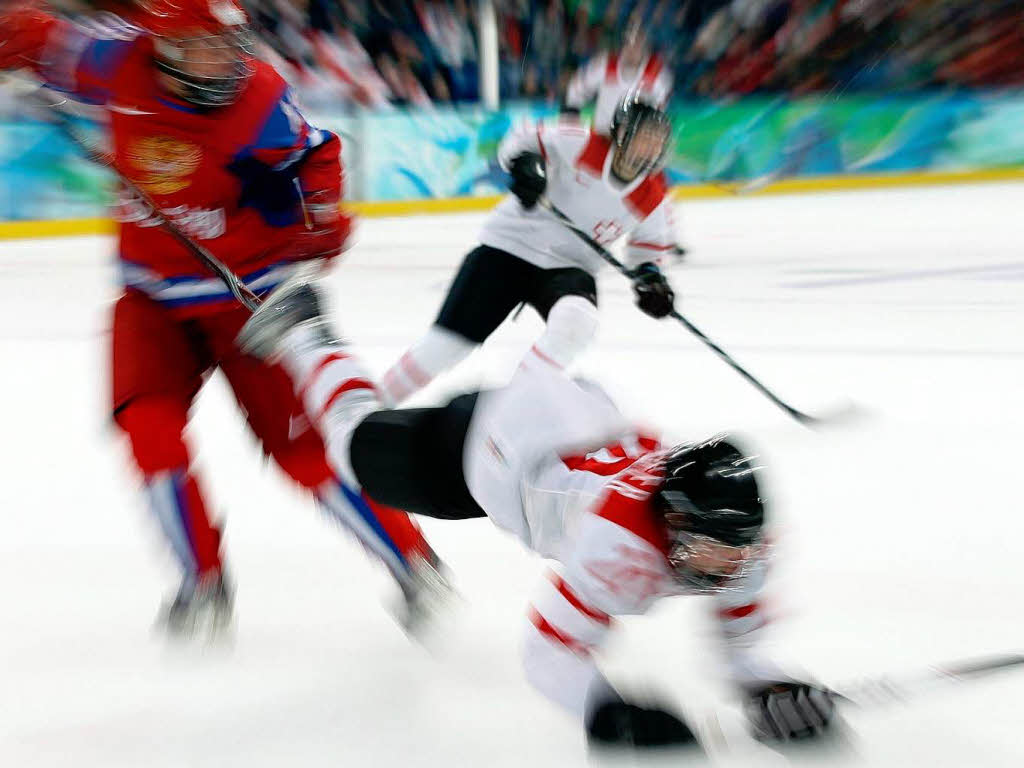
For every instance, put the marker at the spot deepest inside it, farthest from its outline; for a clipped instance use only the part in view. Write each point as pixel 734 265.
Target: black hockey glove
pixel 789 711
pixel 529 178
pixel 618 723
pixel 654 295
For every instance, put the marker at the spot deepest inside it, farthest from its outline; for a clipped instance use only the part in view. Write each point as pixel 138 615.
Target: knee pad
pixel 572 325
pixel 154 426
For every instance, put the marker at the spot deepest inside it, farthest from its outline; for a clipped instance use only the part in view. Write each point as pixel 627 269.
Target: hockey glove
pixel 529 178
pixel 789 711
pixel 654 295
pixel 327 227
pixel 619 723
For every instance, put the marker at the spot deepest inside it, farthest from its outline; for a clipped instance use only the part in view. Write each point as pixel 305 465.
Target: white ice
pixel 901 537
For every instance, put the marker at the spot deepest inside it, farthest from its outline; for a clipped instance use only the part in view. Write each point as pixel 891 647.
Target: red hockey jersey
pixel 233 177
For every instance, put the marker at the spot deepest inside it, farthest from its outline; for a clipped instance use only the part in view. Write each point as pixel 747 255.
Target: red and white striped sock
pixel 438 350
pixel 335 390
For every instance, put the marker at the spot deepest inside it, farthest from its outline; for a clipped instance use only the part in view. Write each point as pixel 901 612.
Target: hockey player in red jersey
pixel 214 138
pixel 554 463
pixel 610 188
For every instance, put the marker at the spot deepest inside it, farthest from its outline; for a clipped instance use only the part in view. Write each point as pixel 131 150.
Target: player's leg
pixel 265 394
pixel 567 300
pixel 411 458
pixel 488 285
pixel 156 372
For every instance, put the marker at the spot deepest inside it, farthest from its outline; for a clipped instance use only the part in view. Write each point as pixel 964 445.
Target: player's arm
pixel 61 54
pixel 646 250
pixel 778 705
pixel 291 172
pixel 567 629
pixel 613 570
pixel 584 84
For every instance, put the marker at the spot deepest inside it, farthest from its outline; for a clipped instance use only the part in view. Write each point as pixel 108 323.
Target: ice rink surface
pixel 901 538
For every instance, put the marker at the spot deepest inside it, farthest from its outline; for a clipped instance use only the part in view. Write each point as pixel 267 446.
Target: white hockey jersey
pixel 581 185
pixel 555 463
pixel 606 79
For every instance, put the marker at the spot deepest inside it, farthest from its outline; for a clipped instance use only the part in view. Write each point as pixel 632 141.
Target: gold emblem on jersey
pixel 165 164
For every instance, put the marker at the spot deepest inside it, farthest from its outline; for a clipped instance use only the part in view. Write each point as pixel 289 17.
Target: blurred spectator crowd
pixel 379 53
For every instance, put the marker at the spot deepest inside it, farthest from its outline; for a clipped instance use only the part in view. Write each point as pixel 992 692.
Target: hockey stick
pixel 238 289
pixel 880 692
pixel 885 690
pixel 600 250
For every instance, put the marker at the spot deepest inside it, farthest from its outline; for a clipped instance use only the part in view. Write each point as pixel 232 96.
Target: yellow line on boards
pixel 11 230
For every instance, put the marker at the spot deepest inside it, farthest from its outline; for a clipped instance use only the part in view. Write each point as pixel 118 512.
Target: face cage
pixel 205 90
pixel 621 147
pixel 685 545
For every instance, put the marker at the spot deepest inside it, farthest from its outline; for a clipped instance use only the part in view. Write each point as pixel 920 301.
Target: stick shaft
pixel 234 283
pixel 601 251
pixel 884 690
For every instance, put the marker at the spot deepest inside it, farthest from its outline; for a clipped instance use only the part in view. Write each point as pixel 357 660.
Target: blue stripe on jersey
pixel 284 128
pixel 99 63
pixel 359 504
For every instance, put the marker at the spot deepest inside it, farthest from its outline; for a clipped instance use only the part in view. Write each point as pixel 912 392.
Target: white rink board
pixel 901 539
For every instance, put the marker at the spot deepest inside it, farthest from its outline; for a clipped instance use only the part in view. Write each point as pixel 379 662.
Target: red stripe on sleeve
pixel 592 158
pixel 570 597
pixel 540 142
pixel 651 72
pixel 648 195
pixel 611 69
pixel 739 612
pixel 649 246
pixel 556 635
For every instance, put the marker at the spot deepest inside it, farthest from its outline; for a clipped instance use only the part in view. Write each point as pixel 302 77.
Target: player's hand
pixel 788 711
pixel 529 178
pixel 327 227
pixel 617 722
pixel 654 295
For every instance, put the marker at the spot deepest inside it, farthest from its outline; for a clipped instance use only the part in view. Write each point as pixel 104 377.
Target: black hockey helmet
pixel 713 512
pixel 641 131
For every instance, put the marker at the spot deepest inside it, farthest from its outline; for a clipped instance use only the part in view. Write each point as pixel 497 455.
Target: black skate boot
pixel 293 304
pixel 203 608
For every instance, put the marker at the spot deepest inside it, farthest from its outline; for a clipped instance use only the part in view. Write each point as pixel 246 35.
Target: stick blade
pixel 841 415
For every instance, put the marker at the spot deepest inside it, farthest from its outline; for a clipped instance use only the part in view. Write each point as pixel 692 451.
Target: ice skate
pixel 202 609
pixel 428 599
pixel 293 304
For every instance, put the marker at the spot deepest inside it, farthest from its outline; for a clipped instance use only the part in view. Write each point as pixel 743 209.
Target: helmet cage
pixel 175 56
pixel 631 118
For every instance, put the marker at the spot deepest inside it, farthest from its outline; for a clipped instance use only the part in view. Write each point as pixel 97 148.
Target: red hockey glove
pixel 23 33
pixel 327 227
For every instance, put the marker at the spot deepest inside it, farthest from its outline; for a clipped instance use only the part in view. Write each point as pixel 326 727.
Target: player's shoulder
pixel 598 62
pixel 564 135
pixel 628 500
pixel 648 194
pixel 265 85
pixel 109 26
pixel 592 150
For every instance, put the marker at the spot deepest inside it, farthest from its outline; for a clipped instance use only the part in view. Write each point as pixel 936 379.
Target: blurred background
pixel 422 90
